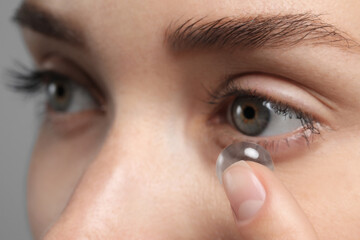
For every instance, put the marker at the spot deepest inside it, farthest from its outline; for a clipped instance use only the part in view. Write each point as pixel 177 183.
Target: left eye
pixel 67 97
pixel 254 116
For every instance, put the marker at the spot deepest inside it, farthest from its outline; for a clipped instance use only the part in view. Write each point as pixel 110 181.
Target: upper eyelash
pixel 31 81
pixel 280 108
pixel 24 80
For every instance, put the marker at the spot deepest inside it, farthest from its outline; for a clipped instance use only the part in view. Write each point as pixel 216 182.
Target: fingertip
pixel 244 191
pixel 262 206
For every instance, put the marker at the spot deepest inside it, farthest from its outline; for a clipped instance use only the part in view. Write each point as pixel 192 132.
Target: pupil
pixel 249 112
pixel 60 91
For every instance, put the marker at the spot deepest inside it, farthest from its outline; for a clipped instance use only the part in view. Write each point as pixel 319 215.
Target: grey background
pixel 17 132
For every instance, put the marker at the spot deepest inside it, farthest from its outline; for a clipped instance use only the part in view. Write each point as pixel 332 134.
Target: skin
pixel 145 169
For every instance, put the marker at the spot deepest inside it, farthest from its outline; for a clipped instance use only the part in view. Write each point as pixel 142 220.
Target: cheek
pixel 180 185
pixel 325 182
pixel 56 167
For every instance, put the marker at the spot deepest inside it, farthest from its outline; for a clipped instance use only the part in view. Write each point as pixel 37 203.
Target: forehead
pixel 145 12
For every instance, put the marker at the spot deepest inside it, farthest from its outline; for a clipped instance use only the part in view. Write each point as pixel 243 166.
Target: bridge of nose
pixel 138 182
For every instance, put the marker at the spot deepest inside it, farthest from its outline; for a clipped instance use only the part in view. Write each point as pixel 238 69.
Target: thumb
pixel 262 207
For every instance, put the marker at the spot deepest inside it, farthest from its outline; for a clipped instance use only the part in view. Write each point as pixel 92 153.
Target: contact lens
pixel 242 151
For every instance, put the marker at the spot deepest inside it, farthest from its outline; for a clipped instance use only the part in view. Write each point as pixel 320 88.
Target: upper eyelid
pixel 267 85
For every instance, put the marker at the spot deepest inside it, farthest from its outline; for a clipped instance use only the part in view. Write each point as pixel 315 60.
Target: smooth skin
pixel 145 169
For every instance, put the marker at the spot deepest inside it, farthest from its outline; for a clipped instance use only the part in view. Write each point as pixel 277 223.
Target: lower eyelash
pixel 273 145
pixel 277 147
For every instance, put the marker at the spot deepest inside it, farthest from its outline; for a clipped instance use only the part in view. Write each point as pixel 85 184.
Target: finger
pixel 262 206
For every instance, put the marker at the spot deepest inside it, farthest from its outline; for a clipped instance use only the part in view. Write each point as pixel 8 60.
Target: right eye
pixel 254 116
pixel 62 94
pixel 65 96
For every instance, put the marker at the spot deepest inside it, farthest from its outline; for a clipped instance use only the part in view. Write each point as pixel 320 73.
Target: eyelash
pixel 308 122
pixel 29 81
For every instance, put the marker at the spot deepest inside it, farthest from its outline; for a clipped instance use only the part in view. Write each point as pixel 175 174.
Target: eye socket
pixel 253 116
pixel 61 86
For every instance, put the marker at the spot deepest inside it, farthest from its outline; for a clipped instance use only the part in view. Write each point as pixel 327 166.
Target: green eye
pixel 249 115
pixel 59 95
pixel 255 116
pixel 66 96
pixel 62 94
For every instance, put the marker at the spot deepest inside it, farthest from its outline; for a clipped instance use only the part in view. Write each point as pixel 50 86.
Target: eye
pixel 62 94
pixel 254 116
pixel 65 96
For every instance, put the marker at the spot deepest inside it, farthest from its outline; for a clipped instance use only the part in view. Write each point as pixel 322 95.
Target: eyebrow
pixel 277 31
pixel 230 33
pixel 39 20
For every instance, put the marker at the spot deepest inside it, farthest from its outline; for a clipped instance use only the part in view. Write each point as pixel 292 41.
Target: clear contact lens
pixel 242 151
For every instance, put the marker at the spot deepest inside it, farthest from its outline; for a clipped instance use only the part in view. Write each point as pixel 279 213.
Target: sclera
pixel 242 151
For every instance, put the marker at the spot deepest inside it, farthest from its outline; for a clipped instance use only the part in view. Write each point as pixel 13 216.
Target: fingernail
pixel 244 190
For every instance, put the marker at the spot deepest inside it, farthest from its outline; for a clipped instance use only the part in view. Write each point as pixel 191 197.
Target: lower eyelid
pixel 280 147
pixel 68 125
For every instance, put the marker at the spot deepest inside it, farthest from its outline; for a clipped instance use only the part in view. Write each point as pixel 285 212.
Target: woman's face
pixel 134 123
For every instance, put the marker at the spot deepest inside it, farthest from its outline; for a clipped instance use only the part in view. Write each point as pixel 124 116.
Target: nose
pixel 137 187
